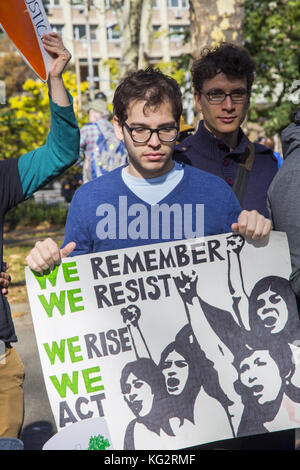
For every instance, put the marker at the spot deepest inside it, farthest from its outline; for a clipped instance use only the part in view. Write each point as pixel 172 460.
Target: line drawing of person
pixel 265 387
pixel 143 389
pixel 175 369
pixel 214 349
pixel 269 312
pixel 271 303
pixel 185 401
pixel 179 367
pixel 270 309
pixel 184 365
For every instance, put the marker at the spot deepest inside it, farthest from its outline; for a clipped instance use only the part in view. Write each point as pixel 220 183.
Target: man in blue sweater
pixel 222 80
pixel 153 199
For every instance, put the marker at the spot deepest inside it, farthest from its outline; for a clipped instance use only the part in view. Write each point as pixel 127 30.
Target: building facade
pixel 170 20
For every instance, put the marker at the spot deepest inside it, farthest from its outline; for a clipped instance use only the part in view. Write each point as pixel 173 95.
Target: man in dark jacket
pixel 283 198
pixel 222 81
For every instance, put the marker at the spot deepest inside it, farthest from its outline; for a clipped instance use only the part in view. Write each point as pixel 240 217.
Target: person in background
pixel 20 178
pixel 184 130
pixel 222 80
pixel 90 132
pixel 269 142
pixel 283 198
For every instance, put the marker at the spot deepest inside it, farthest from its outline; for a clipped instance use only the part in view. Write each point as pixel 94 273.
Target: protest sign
pixel 89 434
pixel 172 344
pixel 25 22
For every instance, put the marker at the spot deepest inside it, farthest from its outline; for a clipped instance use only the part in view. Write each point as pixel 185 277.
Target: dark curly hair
pixel 232 60
pixel 149 85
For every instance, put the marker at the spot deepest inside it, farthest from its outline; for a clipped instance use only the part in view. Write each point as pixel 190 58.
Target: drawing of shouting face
pixel 141 385
pixel 272 310
pixel 138 395
pixel 175 370
pixel 260 374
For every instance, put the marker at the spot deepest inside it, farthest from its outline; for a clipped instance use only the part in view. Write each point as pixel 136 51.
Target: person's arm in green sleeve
pixel 61 149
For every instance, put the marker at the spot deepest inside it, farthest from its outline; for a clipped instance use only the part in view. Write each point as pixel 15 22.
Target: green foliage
pixel 178 69
pixel 30 213
pixel 14 72
pixel 272 36
pixel 98 443
pixel 24 125
pixel 10 134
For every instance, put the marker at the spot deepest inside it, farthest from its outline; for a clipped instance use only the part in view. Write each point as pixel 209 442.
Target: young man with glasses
pixel 222 80
pixel 118 210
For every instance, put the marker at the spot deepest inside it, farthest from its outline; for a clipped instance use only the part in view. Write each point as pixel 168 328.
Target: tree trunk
pixel 165 44
pixel 130 33
pixel 215 21
pixel 145 34
pixel 104 74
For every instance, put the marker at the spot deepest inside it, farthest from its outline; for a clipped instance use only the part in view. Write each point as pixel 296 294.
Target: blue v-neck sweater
pixel 106 215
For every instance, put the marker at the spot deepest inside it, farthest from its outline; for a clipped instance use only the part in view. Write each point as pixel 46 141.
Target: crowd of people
pixel 237 181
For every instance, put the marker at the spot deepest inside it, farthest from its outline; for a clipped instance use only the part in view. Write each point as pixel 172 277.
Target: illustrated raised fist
pixel 235 243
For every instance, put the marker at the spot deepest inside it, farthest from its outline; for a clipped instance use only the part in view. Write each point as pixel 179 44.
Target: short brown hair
pixel 149 85
pixel 232 60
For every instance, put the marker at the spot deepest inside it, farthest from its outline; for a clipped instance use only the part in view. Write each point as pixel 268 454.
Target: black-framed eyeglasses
pixel 141 135
pixel 218 96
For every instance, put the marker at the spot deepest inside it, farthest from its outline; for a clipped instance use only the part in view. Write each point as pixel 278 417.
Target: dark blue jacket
pixel 206 152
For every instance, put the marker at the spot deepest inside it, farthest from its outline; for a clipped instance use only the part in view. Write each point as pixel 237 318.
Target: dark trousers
pixel 281 440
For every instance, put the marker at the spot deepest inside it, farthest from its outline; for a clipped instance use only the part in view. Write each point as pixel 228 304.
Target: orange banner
pixel 24 22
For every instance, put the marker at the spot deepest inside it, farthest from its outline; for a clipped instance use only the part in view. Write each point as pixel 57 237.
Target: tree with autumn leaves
pixel 25 119
pixel 272 36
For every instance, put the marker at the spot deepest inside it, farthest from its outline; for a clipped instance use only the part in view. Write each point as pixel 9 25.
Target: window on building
pixel 94 32
pixel 178 4
pixel 177 32
pixel 155 4
pixel 79 32
pixel 80 3
pixel 76 3
pixel 52 3
pixel 113 33
pixel 156 32
pixel 84 71
pixel 58 28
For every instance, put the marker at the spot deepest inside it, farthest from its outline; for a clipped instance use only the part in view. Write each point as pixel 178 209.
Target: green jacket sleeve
pixel 60 151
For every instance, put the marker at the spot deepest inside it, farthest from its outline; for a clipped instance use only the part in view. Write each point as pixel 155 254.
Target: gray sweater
pixel 284 197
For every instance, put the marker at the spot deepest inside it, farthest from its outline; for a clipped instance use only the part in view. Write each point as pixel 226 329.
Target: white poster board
pixel 173 344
